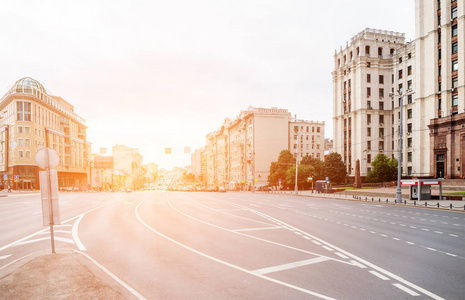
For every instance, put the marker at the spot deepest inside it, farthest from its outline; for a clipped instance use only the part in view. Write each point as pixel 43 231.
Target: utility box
pixel 323 186
pixel 420 189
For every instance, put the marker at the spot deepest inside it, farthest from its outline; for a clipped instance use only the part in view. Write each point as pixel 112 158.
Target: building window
pixel 455 82
pixel 409 127
pixel 20 142
pixel 439 54
pixel 28 154
pixel 27 129
pixel 318 129
pixel 409 156
pixel 369 104
pixel 392 51
pixel 455 47
pixel 381 79
pixel 381 119
pixel 369 158
pixel 455 65
pixel 400 60
pixel 381 93
pixel 381 132
pixel 380 51
pixel 367 50
pixel 409 142
pixel 381 145
pixel 400 74
pixel 27 142
pixel 368 77
pixel 23 111
pixel 454 13
pixel 368 92
pixel 20 129
pixel 409 85
pixel 368 145
pixel 409 113
pixel 454 30
pixel 368 119
pixel 381 105
pixel 409 70
pixel 409 56
pixel 368 131
pixel 455 100
pixel 368 170
pixel 409 170
pixel 401 88
pixel 20 153
pixel 409 99
pixel 368 64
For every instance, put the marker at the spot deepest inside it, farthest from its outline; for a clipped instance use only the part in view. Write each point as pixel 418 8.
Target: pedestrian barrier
pixel 414 203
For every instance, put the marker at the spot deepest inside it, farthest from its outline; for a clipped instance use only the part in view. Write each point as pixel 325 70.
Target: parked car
pixel 221 190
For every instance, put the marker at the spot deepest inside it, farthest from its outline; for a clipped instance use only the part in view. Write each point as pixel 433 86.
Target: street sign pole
pixel 49 187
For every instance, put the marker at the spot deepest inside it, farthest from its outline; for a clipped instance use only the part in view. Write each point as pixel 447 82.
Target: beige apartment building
pixel 128 172
pixel 238 154
pixel 428 71
pixel 33 119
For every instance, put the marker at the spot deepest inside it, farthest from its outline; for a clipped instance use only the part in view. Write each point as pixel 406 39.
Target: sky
pixel 157 74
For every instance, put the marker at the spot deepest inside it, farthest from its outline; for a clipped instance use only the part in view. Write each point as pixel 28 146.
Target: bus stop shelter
pixel 420 189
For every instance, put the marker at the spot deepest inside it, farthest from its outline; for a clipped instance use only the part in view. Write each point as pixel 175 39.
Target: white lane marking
pixel 454 235
pixel 414 227
pixel 5 256
pixel 55 231
pixel 456 224
pixel 316 242
pixel 432 249
pixel 224 262
pixel 341 255
pixel 298 233
pixel 306 237
pixel 356 263
pixel 425 229
pixel 328 248
pixel 372 231
pixel 410 243
pixel 76 236
pixel 405 289
pixel 259 228
pixel 440 232
pixel 383 235
pixel 382 277
pixel 397 239
pixel 450 254
pixel 125 285
pixel 57 238
pixel 40 231
pixel 290 265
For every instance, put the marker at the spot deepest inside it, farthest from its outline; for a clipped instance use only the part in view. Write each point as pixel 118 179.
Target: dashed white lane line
pixel 405 289
pixel 5 256
pixel 356 263
pixel 383 235
pixel 432 249
pixel 397 239
pixel 258 228
pixel 317 243
pixel 410 243
pixel 425 229
pixel 290 265
pixel 382 277
pixel 450 254
pixel 306 237
pixel 453 235
pixel 341 255
pixel 328 248
pixel 440 232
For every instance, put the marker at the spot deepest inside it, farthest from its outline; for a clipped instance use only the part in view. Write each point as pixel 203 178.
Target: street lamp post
pixel 399 162
pixel 297 163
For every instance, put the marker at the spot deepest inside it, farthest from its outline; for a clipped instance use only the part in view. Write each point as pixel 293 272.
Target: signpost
pixel 47 158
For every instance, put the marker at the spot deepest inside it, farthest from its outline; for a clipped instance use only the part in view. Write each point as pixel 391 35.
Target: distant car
pixel 128 191
pixel 221 190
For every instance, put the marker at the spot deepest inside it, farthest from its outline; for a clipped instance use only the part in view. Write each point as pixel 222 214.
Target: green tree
pixel 335 168
pixel 384 169
pixel 304 172
pixel 318 167
pixel 279 168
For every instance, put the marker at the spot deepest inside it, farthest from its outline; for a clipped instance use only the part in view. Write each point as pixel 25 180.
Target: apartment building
pixel 32 119
pixel 128 167
pixel 362 84
pixel 238 155
pixel 428 71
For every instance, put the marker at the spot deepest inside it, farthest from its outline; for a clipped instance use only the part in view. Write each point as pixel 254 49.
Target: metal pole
pixel 47 170
pixel 297 164
pixel 399 166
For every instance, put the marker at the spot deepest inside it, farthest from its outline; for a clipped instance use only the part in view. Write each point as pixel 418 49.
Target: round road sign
pixel 41 157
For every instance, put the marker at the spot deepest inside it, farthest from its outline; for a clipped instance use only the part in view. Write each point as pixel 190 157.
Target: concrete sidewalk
pixel 66 275
pixel 380 195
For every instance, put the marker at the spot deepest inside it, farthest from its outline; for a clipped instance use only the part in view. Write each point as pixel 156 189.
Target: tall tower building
pixel 363 109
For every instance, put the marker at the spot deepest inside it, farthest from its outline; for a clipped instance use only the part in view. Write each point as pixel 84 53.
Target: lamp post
pixel 296 129
pixel 310 179
pixel 399 162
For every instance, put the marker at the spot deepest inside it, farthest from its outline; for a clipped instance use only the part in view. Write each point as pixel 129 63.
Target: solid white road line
pixel 379 275
pixel 5 256
pixel 57 238
pixel 405 289
pixel 224 262
pixel 328 248
pixel 356 263
pixel 253 229
pixel 75 234
pixel 125 285
pixel 290 265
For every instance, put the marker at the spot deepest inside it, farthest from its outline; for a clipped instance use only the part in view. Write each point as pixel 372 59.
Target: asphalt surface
pixel 173 245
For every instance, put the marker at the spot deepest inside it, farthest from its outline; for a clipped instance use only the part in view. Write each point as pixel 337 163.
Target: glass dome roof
pixel 25 85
